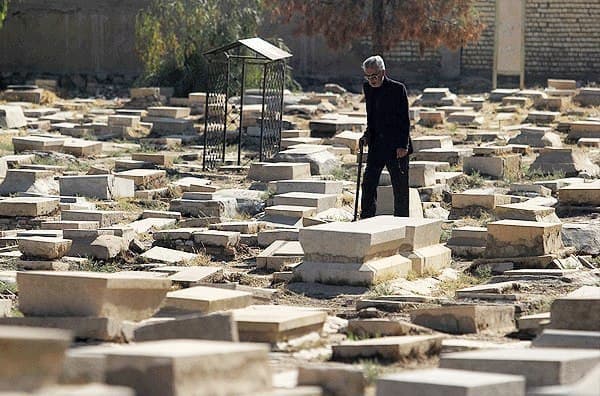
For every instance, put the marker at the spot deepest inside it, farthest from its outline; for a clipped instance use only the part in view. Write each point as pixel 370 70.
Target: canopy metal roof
pixel 259 46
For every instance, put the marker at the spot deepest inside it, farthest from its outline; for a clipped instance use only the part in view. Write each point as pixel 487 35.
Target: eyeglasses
pixel 370 77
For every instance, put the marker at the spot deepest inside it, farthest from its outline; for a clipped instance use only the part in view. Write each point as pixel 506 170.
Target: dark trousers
pixel 398 169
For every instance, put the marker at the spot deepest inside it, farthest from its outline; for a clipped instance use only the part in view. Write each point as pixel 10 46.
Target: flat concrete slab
pixel 540 366
pixel 446 382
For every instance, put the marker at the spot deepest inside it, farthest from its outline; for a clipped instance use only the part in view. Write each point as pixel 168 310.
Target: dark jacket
pixel 393 130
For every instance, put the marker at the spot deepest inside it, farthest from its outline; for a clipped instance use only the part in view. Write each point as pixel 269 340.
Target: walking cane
pixel 360 160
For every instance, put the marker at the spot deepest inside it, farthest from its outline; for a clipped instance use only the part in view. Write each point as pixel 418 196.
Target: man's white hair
pixel 374 62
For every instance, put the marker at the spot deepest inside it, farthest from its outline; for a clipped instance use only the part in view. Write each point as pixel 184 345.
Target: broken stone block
pixel 430 142
pixel 276 323
pixel 577 312
pixel 568 161
pixel 537 137
pixel 542 117
pixel 348 139
pixel 265 172
pixel 468 241
pixel 28 180
pixel 28 206
pixel 464 319
pixel 518 238
pixel 11 117
pixel 216 327
pixel 436 97
pixel 421 175
pixel 186 367
pixel 584 237
pixel 125 296
pixel 31 358
pixel 539 366
pixel 444 382
pixel 527 212
pixel 499 167
pixel 206 300
pixel 388 348
pixel 279 254
pixel 164 255
pixel 96 186
pixel 106 247
pixel 581 194
pixel 336 380
pixel 429 259
pixel 44 247
pixel 321 202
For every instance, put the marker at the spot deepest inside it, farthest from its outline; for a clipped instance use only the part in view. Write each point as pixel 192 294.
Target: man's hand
pixel 364 140
pixel 401 152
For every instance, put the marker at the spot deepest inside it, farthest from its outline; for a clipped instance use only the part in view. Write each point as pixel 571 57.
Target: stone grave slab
pixel 144 177
pixel 527 212
pixel 44 247
pixel 577 312
pixel 28 180
pixel 568 161
pixel 321 202
pixel 430 142
pixel 467 318
pixel 206 300
pixel 308 186
pixel 165 159
pixel 216 327
pixel 105 218
pixel 429 259
pixel 388 348
pixel 37 143
pixel 82 148
pixel 96 186
pixel 385 202
pixel 81 328
pixel 447 382
pixel 322 159
pixel 185 367
pixel 279 254
pixel 275 323
pixel 540 366
pixel 518 238
pixel 553 338
pixel 537 137
pixel 266 172
pixel 127 296
pixel 580 194
pixel 12 117
pixel 169 112
pixel 499 167
pixel 164 255
pixel 28 206
pixel 453 156
pixel 31 358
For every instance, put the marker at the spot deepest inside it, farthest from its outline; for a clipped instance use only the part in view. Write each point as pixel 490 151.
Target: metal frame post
pixel 239 158
pixel 262 116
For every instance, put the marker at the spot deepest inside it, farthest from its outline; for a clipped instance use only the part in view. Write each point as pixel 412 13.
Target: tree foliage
pixel 172 35
pixel 3 10
pixel 431 23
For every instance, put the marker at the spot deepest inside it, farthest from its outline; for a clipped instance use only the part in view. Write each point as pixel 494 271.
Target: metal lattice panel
pixel 273 81
pixel 215 115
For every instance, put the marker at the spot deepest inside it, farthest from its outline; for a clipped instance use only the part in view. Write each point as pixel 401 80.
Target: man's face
pixel 374 76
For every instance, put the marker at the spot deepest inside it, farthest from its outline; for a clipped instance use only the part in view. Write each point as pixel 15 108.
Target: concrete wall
pixel 97 38
pixel 63 37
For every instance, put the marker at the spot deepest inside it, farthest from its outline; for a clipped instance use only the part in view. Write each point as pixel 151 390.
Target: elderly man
pixel 387 136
